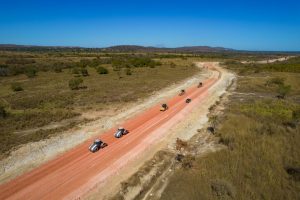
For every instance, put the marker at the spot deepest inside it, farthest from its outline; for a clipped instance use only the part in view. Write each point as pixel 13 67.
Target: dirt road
pixel 269 60
pixel 77 171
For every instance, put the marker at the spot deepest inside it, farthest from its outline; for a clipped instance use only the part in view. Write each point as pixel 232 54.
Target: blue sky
pixel 249 25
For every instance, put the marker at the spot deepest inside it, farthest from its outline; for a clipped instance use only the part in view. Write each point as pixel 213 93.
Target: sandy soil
pixel 31 155
pixel 269 61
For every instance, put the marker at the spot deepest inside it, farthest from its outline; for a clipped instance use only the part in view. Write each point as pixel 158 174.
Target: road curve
pixel 74 173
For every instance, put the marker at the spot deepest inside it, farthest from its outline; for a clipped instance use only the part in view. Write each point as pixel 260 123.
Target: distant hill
pixel 187 49
pixel 134 48
pixel 119 48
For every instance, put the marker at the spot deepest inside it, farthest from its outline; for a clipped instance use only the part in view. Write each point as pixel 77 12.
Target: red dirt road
pixel 77 171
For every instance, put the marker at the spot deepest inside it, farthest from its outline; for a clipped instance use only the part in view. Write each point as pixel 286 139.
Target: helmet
pixel 97 140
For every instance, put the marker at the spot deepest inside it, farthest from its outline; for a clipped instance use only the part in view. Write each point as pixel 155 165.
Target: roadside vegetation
pixel 37 89
pixel 261 132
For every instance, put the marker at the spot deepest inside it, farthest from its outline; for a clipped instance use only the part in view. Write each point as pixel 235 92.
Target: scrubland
pixel 260 131
pixel 38 89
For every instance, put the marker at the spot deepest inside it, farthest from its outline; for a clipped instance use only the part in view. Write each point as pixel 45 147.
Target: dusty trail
pixel 269 60
pixel 77 171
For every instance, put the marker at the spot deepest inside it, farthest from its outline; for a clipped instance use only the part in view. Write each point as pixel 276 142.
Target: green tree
pixel 75 83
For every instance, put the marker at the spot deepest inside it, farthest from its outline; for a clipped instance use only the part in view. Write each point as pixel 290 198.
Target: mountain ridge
pixel 122 48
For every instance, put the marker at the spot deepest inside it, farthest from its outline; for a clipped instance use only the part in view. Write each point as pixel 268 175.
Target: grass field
pixel 262 134
pixel 46 97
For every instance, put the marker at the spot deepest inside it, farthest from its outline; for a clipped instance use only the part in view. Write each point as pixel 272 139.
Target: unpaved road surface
pixel 77 171
pixel 269 61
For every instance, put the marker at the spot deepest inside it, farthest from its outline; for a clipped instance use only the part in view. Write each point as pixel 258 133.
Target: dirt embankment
pixel 146 177
pixel 31 155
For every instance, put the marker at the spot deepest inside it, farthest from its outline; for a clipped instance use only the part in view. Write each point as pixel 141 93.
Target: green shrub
pixel 21 61
pixel 102 70
pixel 172 65
pixel 134 61
pixel 75 83
pixel 84 72
pixel 128 72
pixel 16 87
pixel 3 112
pixel 283 90
pixel 31 72
pixel 296 114
pixel 222 188
pixel 275 80
pixel 75 70
pixel 4 71
pixel 57 68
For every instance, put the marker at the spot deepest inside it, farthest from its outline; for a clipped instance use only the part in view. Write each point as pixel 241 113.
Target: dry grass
pixel 262 160
pixel 47 97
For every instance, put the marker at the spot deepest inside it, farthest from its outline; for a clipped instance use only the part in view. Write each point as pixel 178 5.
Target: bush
pixel 76 70
pixel 128 72
pixel 75 83
pixel 102 70
pixel 84 72
pixel 21 61
pixel 275 80
pixel 188 161
pixel 134 61
pixel 172 65
pixel 180 144
pixel 296 114
pixel 222 188
pixel 31 72
pixel 58 67
pixel 3 112
pixel 16 87
pixel 4 71
pixel 283 90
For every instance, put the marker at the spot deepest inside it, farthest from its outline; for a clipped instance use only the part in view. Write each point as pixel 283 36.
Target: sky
pixel 245 25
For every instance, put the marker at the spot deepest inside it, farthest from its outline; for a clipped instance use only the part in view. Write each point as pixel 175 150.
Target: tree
pixel 16 87
pixel 75 83
pixel 102 70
